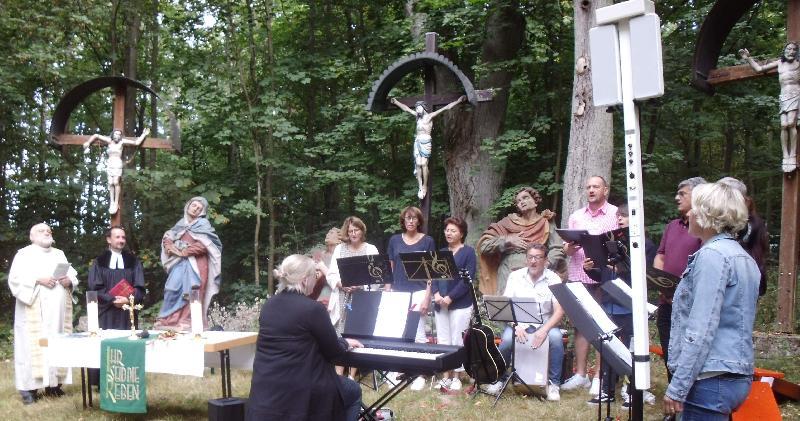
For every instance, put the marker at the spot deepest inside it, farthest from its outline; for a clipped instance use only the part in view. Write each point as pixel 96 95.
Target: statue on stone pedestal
pixel 789 78
pixel 422 140
pixel 114 161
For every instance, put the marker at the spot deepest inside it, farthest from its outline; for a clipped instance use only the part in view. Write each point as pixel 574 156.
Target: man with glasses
pixel 673 254
pixel 533 283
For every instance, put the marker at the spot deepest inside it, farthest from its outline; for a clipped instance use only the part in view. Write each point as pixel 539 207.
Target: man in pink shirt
pixel 597 217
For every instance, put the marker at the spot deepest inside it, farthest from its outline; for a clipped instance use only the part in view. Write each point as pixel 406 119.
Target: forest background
pixel 270 96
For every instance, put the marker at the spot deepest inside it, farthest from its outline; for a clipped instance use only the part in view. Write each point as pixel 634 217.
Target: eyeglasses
pixel 536 258
pixel 411 218
pixel 353 230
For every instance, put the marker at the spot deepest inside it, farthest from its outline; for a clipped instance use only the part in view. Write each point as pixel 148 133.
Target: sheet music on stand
pixel 500 308
pixel 622 294
pixel 381 314
pixel 424 266
pixel 533 361
pixel 590 319
pixel 364 270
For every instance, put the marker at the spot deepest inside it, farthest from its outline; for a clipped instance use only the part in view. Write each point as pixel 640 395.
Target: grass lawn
pixel 185 398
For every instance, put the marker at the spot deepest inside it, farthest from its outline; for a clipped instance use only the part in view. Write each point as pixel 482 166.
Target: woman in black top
pixel 293 371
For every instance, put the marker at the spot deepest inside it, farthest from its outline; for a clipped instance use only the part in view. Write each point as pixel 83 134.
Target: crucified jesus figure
pixel 422 140
pixel 789 78
pixel 114 161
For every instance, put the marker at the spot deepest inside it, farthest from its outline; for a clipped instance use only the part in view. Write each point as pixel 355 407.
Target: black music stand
pixel 427 266
pixel 513 311
pixel 590 319
pixel 364 270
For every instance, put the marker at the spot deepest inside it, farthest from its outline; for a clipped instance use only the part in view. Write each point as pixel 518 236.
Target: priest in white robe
pixel 43 308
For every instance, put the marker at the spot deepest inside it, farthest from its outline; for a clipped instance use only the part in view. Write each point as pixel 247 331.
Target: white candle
pixel 92 317
pixel 197 317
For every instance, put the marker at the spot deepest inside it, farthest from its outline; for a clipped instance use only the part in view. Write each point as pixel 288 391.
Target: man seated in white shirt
pixel 532 283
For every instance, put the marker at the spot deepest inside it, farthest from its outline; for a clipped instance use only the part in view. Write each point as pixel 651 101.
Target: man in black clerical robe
pixel 107 270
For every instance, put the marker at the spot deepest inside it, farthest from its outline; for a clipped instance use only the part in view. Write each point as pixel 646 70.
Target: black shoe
pixel 28 396
pixel 603 398
pixel 54 392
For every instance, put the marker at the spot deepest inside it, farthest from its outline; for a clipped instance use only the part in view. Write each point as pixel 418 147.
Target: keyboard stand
pixel 378 378
pixel 367 413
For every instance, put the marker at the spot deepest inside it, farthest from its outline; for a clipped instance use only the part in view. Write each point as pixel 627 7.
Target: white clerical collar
pixel 116 260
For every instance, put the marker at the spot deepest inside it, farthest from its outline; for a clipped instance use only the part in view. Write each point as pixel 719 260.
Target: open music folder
pixel 381 314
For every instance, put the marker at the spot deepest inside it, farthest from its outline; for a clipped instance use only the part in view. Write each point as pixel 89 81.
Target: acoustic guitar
pixel 484 363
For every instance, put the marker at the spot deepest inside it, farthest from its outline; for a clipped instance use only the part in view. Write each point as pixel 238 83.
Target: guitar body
pixel 484 362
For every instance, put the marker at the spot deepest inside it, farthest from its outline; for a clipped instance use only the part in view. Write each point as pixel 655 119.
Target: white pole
pixel 633 176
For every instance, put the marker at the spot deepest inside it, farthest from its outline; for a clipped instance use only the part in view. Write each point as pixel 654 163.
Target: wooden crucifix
pixel 719 22
pixel 116 141
pixel 429 101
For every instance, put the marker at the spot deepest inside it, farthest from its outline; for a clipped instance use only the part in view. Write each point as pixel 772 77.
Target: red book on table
pixel 121 289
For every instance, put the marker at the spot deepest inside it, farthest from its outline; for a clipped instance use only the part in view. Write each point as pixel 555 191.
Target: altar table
pixel 183 355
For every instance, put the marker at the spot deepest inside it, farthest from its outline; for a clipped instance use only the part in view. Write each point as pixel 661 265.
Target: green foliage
pixel 297 114
pixel 6 340
pixel 511 142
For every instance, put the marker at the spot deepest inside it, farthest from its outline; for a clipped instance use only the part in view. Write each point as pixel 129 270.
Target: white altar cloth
pixel 183 355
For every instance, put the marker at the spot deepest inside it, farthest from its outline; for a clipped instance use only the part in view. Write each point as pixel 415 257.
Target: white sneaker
pixel 623 393
pixel 418 383
pixel 594 389
pixel 494 388
pixel 575 382
pixel 553 393
pixel 455 384
pixel 444 384
pixel 648 397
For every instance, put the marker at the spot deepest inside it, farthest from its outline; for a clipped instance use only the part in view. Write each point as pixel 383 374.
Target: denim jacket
pixel 712 315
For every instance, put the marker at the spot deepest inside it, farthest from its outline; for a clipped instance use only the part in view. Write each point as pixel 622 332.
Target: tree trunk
pixel 133 33
pixel 557 175
pixel 249 82
pixel 473 179
pixel 155 82
pixel 591 138
pixel 730 144
pixel 270 153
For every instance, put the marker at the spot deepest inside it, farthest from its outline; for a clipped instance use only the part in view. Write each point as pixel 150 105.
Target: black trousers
pixel 664 325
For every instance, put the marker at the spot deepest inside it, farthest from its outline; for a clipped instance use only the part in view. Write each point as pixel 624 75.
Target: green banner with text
pixel 123 387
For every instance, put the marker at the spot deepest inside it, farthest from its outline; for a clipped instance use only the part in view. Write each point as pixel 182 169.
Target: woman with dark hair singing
pixel 410 240
pixel 452 303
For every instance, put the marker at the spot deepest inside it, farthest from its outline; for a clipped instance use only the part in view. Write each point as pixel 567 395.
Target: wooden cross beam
pixel 120 96
pixel 729 74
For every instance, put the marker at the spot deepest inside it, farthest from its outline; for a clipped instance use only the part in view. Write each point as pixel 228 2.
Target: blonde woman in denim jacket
pixel 711 347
